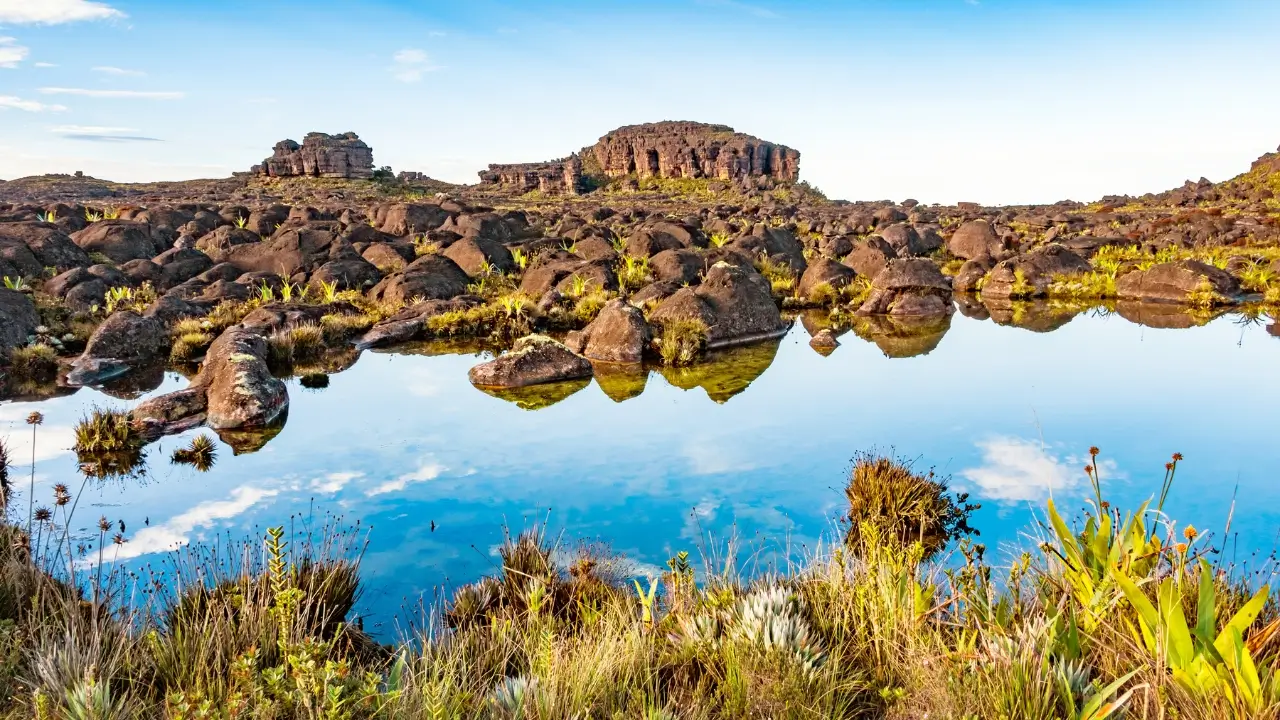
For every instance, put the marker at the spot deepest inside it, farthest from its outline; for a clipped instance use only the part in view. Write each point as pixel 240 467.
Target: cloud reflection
pixel 427 470
pixel 176 532
pixel 1017 470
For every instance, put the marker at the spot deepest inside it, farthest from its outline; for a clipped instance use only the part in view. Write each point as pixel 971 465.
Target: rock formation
pixel 693 150
pixel 662 150
pixel 556 177
pixel 320 155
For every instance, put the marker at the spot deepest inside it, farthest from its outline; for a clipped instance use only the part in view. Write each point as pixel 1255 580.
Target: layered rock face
pixel 556 177
pixel 320 155
pixel 693 150
pixel 669 149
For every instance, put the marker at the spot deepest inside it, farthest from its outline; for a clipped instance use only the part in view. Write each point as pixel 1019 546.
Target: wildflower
pixel 1177 457
pixel 43 514
pixel 1094 451
pixel 104 524
pixel 1105 504
pixel 1180 547
pixel 35 418
pixel 1088 470
pixel 1168 466
pixel 119 539
pixel 1190 532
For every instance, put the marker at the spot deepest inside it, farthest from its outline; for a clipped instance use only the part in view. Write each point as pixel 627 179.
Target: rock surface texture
pixel 320 155
pixel 693 150
pixel 555 177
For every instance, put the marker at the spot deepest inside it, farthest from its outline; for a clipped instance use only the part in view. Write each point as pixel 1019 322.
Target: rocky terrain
pixel 297 268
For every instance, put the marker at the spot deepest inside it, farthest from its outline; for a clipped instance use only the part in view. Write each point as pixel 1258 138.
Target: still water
pixel 756 446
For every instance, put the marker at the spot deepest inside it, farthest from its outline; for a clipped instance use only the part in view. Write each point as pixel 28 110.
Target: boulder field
pixel 123 279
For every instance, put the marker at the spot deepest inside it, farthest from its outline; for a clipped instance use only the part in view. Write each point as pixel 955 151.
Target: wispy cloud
pixel 428 470
pixel 1018 470
pixel 17 103
pixel 54 12
pixel 44 65
pixel 109 70
pixel 756 10
pixel 333 482
pixel 11 53
pixel 177 531
pixel 139 94
pixel 96 133
pixel 410 64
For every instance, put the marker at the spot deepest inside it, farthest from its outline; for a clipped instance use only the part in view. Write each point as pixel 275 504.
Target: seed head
pixel 119 539
pixel 1168 466
pixel 104 524
pixel 1088 470
pixel 1177 457
pixel 35 418
pixel 1094 451
pixel 43 514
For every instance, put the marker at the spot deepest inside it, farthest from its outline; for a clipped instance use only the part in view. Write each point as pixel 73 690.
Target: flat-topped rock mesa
pixel 553 177
pixel 682 149
pixel 320 155
pixel 670 149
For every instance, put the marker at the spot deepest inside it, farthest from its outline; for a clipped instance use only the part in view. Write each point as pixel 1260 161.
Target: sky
pixel 991 101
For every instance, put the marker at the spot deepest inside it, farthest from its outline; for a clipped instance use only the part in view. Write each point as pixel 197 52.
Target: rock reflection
pixel 620 382
pixel 724 373
pixel 902 337
pixel 536 397
pixel 244 441
pixel 1033 315
pixel 1166 316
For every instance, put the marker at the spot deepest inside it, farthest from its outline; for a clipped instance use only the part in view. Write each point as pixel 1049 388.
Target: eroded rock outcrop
pixel 320 155
pixel 693 150
pixel 555 177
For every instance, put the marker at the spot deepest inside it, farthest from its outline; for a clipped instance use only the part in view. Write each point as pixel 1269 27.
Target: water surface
pixel 756 445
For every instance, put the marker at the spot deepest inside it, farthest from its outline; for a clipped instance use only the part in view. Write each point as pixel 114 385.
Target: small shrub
pixel 107 444
pixel 189 345
pixel 902 506
pixel 200 453
pixel 34 362
pixel 634 273
pixel 337 328
pixel 314 381
pixel 307 342
pixel 681 341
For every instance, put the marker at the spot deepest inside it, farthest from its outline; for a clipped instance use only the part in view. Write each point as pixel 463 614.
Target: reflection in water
pixel 402 440
pixel 537 397
pixel 1166 316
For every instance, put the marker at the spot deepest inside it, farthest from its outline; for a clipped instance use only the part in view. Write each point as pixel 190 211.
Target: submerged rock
pixel 533 360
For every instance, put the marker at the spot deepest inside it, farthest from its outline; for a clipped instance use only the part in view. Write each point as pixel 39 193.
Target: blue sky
pixel 996 101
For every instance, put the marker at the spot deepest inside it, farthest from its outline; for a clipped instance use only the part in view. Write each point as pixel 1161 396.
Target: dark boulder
pixel 354 274
pixel 736 305
pixel 974 239
pixel 909 287
pixel 479 255
pixel 824 272
pixel 18 319
pixel 870 256
pixel 119 240
pixel 681 266
pixel 533 360
pixel 123 342
pixel 619 334
pixel 411 322
pixel 430 277
pixel 1185 281
pixel 49 245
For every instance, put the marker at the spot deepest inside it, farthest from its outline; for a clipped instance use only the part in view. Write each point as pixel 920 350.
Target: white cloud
pixel 428 470
pixel 176 531
pixel 89 130
pixel 109 70
pixel 44 64
pixel 53 12
pixel 51 441
pixel 143 94
pixel 17 103
pixel 1017 470
pixel 333 482
pixel 11 53
pixel 410 64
